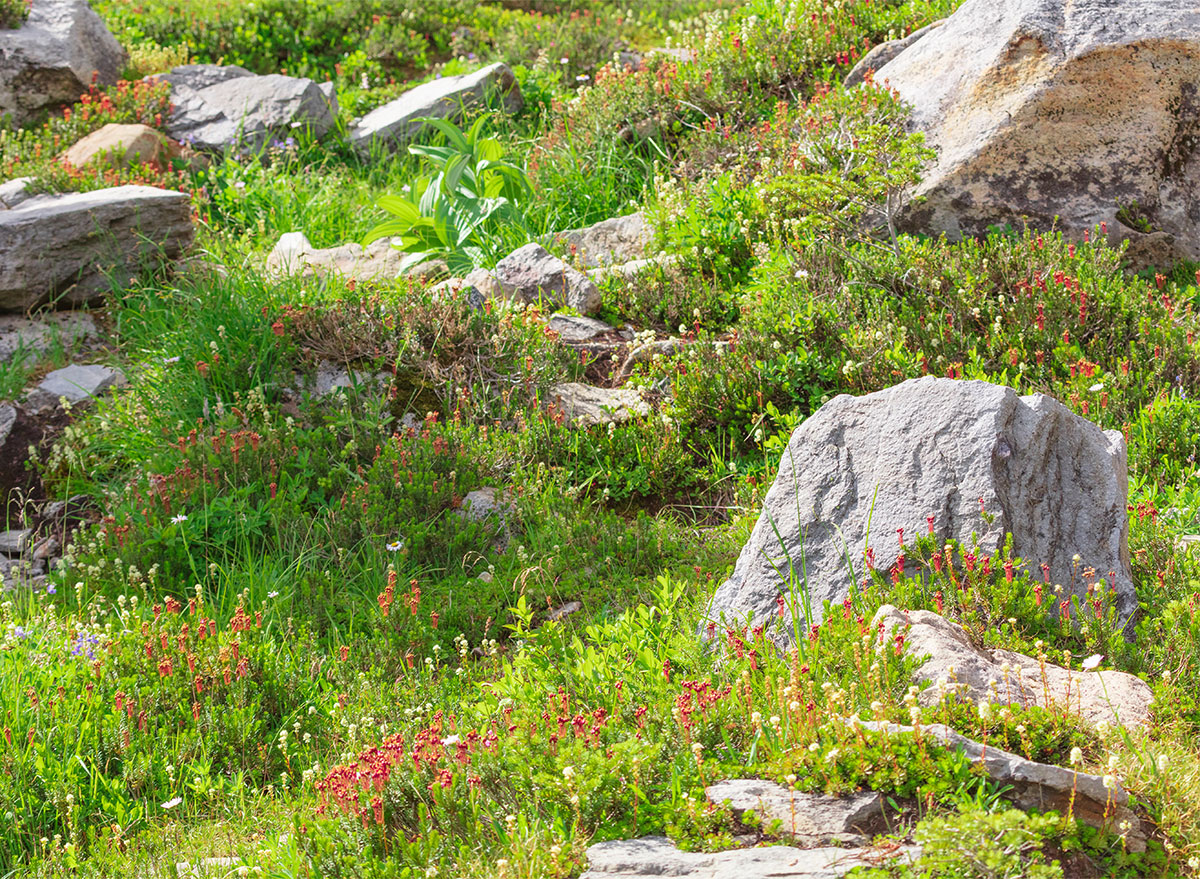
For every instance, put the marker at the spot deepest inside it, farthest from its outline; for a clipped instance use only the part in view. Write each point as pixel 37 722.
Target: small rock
pixel 610 242
pixel 630 271
pixel 585 405
pixel 331 377
pixel 19 333
pixel 484 503
pixel 294 255
pixel 15 542
pixel 14 191
pixel 8 420
pixel 1113 697
pixel 532 274
pixel 656 856
pixel 45 549
pixel 394 125
pixel 563 611
pixel 573 329
pixel 73 506
pixel 79 382
pixel 810 819
pixel 52 58
pixel 122 146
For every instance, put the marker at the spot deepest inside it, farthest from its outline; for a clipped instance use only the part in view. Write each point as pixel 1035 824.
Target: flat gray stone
pixel 15 542
pixel 811 820
pixel 58 248
pixel 485 503
pixel 218 108
pixel 585 405
pixel 8 420
pixel 573 329
pixel 397 123
pixel 39 333
pixel 331 378
pixel 1040 786
pixel 49 61
pixel 658 856
pixel 942 448
pixel 79 382
pixel 955 665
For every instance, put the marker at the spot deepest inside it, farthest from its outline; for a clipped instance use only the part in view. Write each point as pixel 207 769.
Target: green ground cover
pixel 281 641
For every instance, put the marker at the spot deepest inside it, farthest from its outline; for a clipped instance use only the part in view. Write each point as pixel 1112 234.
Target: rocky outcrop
pixel 1099 801
pixel 122 146
pixel 51 59
pixel 1086 111
pixel 954 666
pixel 532 274
pixel 397 123
pixel 219 108
pixel 977 457
pixel 59 248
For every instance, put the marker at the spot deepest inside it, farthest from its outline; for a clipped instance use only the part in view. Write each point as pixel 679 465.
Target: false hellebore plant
pixel 456 214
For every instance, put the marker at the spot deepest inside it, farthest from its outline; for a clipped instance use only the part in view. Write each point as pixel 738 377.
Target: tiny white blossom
pixel 175 520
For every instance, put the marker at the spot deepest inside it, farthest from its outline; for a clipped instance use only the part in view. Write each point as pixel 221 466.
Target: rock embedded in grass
pixel 1098 801
pixel 956 666
pixel 1063 114
pixel 121 146
pixel 809 819
pixel 587 405
pixel 397 123
pixel 220 108
pixel 658 856
pixel 976 457
pixel 60 50
pixel 79 382
pixel 62 249
pixel 532 274
pixel 609 242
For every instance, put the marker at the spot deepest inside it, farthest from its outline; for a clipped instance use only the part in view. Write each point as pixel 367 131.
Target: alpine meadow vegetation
pixel 418 621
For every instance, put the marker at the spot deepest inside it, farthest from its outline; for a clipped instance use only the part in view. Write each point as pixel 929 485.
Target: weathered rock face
pixel 122 145
pixel 941 448
pixel 611 242
pixel 218 107
pixel 50 60
pixel 1041 108
pixel 395 124
pixel 885 52
pixel 1041 786
pixel 59 246
pixel 957 667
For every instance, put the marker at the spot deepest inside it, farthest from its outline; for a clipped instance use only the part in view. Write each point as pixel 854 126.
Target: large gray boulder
pixel 224 107
pixel 61 248
pixel 395 124
pixel 810 820
pixel 51 59
pixel 1045 109
pixel 941 448
pixel 955 668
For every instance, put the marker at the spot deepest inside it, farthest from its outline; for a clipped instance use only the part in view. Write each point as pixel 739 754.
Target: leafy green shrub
pixel 457 215
pixel 13 12
pixel 976 844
